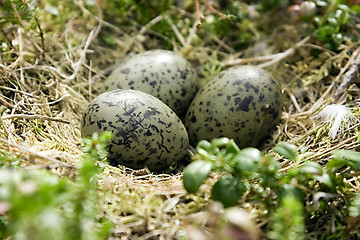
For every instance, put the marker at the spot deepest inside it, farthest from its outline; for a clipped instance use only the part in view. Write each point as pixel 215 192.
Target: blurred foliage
pixel 334 24
pixel 8 160
pixel 330 22
pixel 270 5
pixel 14 11
pixel 287 222
pixel 35 204
pixel 249 174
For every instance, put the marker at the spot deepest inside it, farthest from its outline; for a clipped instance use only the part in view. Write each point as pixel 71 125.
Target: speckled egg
pixel 161 73
pixel 243 103
pixel 145 132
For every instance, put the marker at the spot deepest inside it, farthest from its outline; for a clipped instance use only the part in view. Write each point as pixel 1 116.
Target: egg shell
pixel 243 103
pixel 145 132
pixel 161 73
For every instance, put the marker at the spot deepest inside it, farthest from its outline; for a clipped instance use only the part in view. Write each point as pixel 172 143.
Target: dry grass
pixel 43 93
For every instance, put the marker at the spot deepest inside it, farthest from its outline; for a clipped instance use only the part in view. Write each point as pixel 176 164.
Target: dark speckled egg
pixel 145 132
pixel 160 73
pixel 243 103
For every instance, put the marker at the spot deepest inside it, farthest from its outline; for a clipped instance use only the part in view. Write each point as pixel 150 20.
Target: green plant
pixel 334 25
pixel 14 11
pixel 287 222
pixel 35 204
pixel 269 5
pixel 22 13
pixel 238 170
pixel 8 160
pixel 255 177
pixel 153 14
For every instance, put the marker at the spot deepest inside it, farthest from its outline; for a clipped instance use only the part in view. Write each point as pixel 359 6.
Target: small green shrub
pixel 35 204
pixel 331 27
pixel 248 172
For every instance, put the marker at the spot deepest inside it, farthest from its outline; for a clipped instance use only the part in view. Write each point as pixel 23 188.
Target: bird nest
pixel 49 74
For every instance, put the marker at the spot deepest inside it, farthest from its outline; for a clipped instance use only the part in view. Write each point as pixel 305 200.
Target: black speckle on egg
pixel 125 71
pixel 139 123
pixel 155 72
pixel 237 82
pixel 233 104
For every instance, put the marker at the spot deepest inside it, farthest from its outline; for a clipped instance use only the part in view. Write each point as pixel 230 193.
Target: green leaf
pixel 109 39
pixel 286 150
pixel 343 14
pixel 354 209
pixel 228 190
pixel 338 38
pixel 333 21
pixel 356 8
pixel 312 168
pixel 317 172
pixel 203 144
pixel 335 164
pixel 326 179
pixel 195 174
pixel 351 158
pixel 219 142
pixel 228 144
pixel 323 33
pixel 205 154
pixel 247 159
pixel 231 147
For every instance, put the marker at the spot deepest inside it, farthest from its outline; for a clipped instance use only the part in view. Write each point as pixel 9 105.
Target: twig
pixel 176 31
pixel 271 59
pixel 198 14
pixel 323 49
pixel 333 83
pixel 209 6
pixel 13 116
pixel 93 34
pixel 349 75
pixel 293 99
pixel 5 103
pixel 7 40
pixel 42 38
pixel 321 154
pixel 223 44
pixel 17 91
pixel 192 34
pixel 144 29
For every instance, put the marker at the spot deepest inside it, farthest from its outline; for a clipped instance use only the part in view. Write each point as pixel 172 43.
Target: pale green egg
pixel 243 103
pixel 145 132
pixel 160 73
